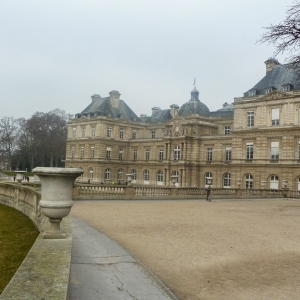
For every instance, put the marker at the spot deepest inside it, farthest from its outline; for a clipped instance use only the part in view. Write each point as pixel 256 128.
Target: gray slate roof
pixel 103 107
pixel 279 75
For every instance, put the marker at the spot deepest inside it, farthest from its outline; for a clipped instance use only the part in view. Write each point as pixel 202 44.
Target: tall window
pixel 153 134
pixel 228 153
pixel 108 132
pixel 249 150
pixel 120 174
pixel 274 150
pixel 209 154
pixel 160 176
pixel 134 154
pixel 107 174
pixel 92 152
pixel 74 132
pixel 147 154
pixel 208 176
pixel 122 133
pixel 81 152
pixel 133 172
pixel 83 132
pixel 177 153
pixel 274 182
pixel 121 153
pixel 161 154
pixel 275 116
pixel 250 118
pixel 108 152
pixel 146 175
pixel 226 180
pixel 249 181
pixel 134 134
pixel 93 131
pixel 227 130
pixel 73 151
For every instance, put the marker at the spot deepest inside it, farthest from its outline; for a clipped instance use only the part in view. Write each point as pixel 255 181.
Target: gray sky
pixel 56 54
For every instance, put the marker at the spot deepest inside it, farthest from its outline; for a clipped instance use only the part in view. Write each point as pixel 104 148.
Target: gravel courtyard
pixel 235 250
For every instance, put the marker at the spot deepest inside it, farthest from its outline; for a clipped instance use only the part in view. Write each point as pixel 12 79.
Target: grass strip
pixel 17 235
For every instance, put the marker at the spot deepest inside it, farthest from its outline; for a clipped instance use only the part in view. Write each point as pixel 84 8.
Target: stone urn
pixel 56 196
pixel 174 179
pixel 129 178
pixel 19 176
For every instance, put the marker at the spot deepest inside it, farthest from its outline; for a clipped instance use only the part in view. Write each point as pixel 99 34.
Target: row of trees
pixel 38 141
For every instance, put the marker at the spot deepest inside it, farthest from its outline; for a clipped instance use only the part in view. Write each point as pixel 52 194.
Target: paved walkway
pixel 102 269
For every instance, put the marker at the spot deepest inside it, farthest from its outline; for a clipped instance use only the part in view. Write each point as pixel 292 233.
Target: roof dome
pixel 194 106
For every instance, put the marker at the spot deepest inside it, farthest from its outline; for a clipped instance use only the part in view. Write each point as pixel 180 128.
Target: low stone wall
pixel 44 274
pixel 93 191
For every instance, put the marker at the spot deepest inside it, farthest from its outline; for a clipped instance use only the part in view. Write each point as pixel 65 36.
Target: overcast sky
pixel 57 53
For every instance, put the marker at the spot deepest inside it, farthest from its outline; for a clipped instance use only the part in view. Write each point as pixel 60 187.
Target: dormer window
pixel 269 90
pixel 252 93
pixel 286 87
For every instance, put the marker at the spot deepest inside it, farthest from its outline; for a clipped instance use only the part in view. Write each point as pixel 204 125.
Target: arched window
pixel 248 181
pixel 160 177
pixel 91 173
pixel 146 175
pixel 274 182
pixel 177 153
pixel 226 180
pixel 133 172
pixel 120 174
pixel 208 176
pixel 107 174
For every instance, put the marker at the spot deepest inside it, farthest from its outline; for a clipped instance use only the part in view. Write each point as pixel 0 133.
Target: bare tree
pixel 286 35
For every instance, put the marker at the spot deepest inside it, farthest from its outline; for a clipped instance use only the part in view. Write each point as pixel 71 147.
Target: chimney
pixel 154 109
pixel 115 99
pixel 271 63
pixel 174 110
pixel 95 97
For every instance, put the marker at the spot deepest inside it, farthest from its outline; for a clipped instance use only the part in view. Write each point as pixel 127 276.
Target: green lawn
pixel 17 235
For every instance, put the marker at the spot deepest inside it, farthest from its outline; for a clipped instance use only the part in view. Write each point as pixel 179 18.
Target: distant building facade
pixel 253 142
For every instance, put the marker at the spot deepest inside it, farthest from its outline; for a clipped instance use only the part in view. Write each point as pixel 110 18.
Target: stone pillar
pixel 183 177
pixel 56 196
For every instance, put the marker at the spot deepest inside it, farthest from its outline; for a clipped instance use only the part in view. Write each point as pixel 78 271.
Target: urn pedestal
pixel 56 196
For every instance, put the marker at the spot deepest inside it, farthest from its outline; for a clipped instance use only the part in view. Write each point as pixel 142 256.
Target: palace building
pixel 255 141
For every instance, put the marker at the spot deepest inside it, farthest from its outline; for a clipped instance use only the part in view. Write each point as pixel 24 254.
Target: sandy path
pixel 221 250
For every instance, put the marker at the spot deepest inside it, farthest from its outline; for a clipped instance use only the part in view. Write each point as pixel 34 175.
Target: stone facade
pixel 254 142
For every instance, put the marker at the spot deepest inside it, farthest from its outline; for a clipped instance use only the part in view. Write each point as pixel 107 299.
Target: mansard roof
pixel 279 76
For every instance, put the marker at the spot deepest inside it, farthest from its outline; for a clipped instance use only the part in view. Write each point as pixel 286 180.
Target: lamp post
pixel 208 190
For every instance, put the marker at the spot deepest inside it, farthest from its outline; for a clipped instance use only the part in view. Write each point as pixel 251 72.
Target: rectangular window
pixel 122 134
pixel 108 152
pixel 147 154
pixel 249 150
pixel 134 134
pixel 121 153
pixel 161 154
pixel 275 116
pixel 228 153
pixel 250 118
pixel 74 132
pixel 209 154
pixel 81 152
pixel 286 88
pixel 92 152
pixel 72 151
pixel 83 132
pixel 153 134
pixel 269 90
pixel 134 154
pixel 227 130
pixel 93 131
pixel 274 150
pixel 252 93
pixel 108 132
